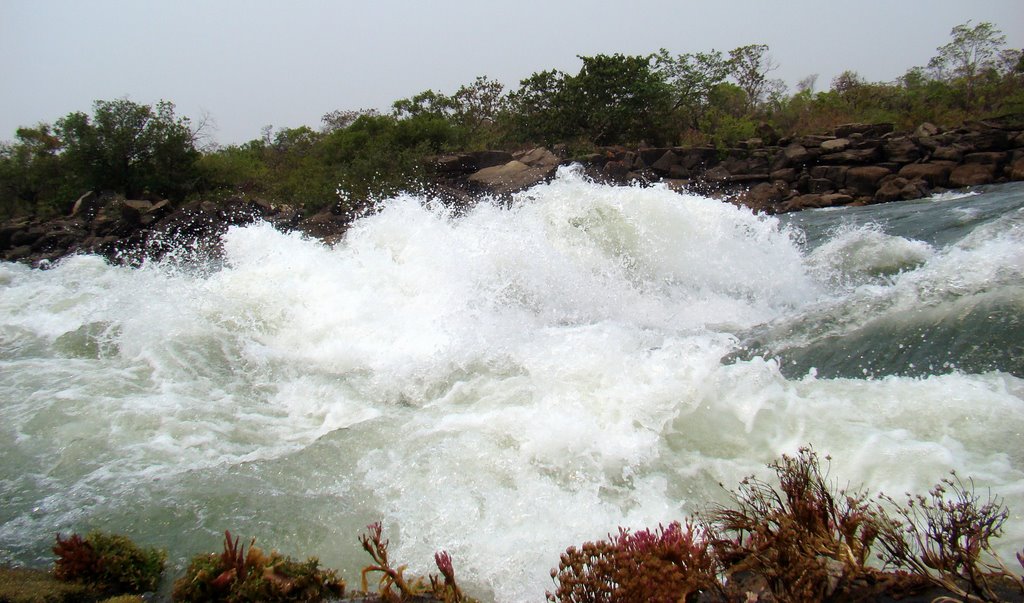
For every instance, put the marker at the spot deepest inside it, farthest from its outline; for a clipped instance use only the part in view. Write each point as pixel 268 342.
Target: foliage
pixel 946 537
pixel 130 148
pixel 673 563
pixel 108 562
pixel 239 575
pixel 394 586
pixel 808 541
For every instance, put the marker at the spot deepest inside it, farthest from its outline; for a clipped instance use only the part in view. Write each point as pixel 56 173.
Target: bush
pixel 239 575
pixel 109 563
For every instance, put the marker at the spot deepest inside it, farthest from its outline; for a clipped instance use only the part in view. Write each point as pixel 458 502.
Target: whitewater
pixel 507 380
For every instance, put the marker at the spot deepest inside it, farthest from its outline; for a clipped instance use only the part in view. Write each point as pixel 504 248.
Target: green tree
pixel 32 174
pixel 692 78
pixel 968 57
pixel 131 148
pixel 749 66
pixel 620 98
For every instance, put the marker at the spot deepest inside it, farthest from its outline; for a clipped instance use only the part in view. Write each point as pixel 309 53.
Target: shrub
pixel 669 564
pixel 109 563
pixel 394 586
pixel 239 575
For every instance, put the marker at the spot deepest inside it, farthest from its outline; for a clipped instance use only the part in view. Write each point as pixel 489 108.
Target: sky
pixel 246 64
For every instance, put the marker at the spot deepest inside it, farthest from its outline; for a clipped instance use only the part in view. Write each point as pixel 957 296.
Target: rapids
pixel 511 380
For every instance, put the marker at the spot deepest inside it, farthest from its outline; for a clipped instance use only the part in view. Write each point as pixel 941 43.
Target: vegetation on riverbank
pixel 802 539
pixel 707 98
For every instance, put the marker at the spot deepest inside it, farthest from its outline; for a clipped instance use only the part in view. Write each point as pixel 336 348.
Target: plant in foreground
pixel 239 575
pixel 673 563
pixel 109 563
pixel 395 586
pixel 946 537
pixel 808 542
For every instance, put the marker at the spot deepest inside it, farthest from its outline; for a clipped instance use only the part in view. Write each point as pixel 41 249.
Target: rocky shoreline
pixel 857 164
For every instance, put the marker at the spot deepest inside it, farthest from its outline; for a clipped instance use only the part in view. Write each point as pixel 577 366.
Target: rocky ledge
pixel 857 164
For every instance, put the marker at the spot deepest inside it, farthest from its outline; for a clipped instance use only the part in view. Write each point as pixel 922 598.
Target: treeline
pixel 707 98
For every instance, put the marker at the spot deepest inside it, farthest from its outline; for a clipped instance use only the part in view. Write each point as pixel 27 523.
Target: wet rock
pixel 510 177
pixel 972 174
pixel 935 174
pixel 864 179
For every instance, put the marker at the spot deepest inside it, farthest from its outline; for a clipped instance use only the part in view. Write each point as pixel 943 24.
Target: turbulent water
pixel 512 380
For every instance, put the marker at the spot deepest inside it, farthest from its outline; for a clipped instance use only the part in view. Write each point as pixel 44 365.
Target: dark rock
pixel 835 173
pixel 935 174
pixel 666 162
pixel 853 156
pixel 812 201
pixel 785 174
pixel 86 206
pixel 925 130
pixel 891 189
pixel 678 172
pixel 538 157
pixel 867 130
pixel 989 158
pixel 764 197
pixel 901 150
pixel 972 174
pixel 1017 169
pixel 796 155
pixel 864 179
pixel 820 185
pixel 948 153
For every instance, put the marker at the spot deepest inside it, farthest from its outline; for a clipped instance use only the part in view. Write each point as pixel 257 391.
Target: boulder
pixel 796 155
pixel 891 189
pixel 948 153
pixel 867 130
pixel 835 173
pixel 1017 169
pixel 972 174
pixel 836 145
pixel 812 201
pixel 539 157
pixel 510 177
pixel 935 174
pixel 988 158
pixel 926 130
pixel 864 179
pixel 785 174
pixel 764 197
pixel 665 163
pixel 854 156
pixel 901 149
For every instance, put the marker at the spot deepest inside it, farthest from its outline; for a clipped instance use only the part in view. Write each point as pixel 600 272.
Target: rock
pixel 820 185
pixel 891 189
pixel 925 130
pixel 901 150
pixel 466 163
pixel 785 174
pixel 764 197
pixel 915 189
pixel 864 180
pixel 812 201
pixel 86 205
pixel 948 153
pixel 717 174
pixel 835 173
pixel 867 130
pixel 538 157
pixel 1017 169
pixel 935 174
pixel 510 177
pixel 989 158
pixel 835 145
pixel 666 162
pixel 853 156
pixel 972 174
pixel 796 155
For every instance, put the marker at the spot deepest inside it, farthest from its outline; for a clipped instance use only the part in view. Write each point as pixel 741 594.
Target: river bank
pixel 856 164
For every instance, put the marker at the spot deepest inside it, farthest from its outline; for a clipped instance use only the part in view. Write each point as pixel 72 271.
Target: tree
pixel 619 98
pixel 130 148
pixel 478 105
pixel 692 77
pixel 965 59
pixel 32 174
pixel 540 110
pixel 749 66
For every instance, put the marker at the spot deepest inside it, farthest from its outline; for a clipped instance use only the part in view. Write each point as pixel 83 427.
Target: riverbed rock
pixel 864 179
pixel 972 174
pixel 510 177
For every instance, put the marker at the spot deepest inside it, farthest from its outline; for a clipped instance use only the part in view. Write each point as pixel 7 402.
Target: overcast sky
pixel 250 63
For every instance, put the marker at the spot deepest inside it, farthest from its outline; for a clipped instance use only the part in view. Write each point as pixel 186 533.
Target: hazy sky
pixel 253 63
